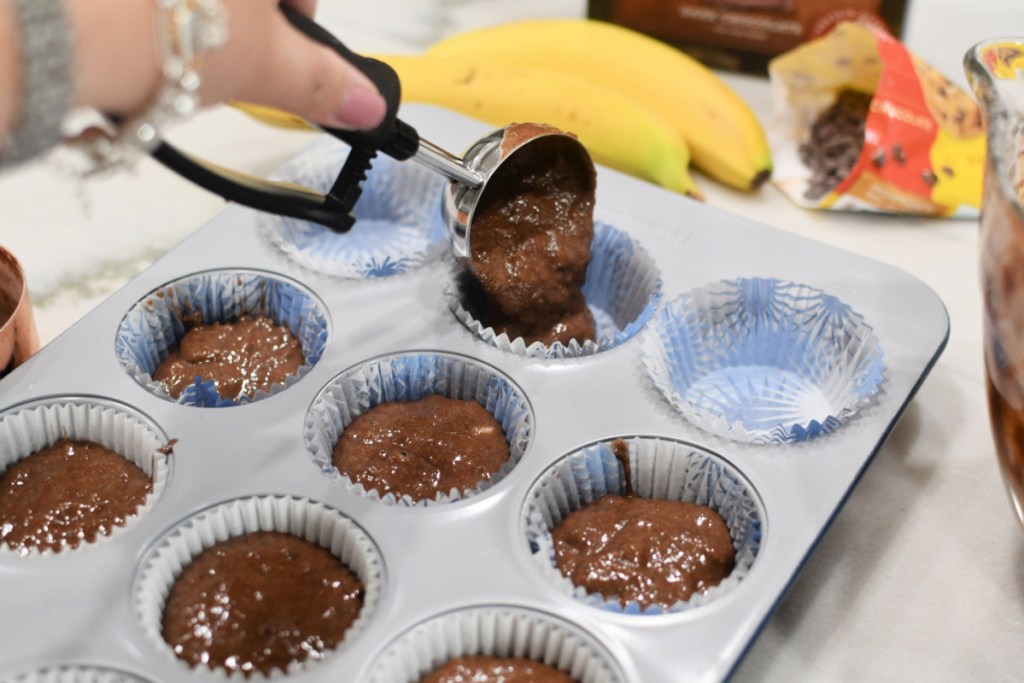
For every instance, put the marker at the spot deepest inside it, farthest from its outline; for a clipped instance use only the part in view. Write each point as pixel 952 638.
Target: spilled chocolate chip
pixel 929 178
pixel 878 158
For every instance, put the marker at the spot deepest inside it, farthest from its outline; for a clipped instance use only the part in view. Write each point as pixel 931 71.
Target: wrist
pixel 117 64
pixel 10 68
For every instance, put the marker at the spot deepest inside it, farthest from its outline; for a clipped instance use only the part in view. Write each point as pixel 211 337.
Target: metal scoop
pixel 467 177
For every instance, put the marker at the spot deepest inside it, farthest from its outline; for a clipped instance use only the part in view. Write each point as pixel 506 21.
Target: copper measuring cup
pixel 468 176
pixel 18 336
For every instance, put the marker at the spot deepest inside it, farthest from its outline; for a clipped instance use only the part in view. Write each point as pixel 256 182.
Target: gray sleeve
pixel 47 85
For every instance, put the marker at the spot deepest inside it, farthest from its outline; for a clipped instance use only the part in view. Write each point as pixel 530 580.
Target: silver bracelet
pixel 186 30
pixel 47 78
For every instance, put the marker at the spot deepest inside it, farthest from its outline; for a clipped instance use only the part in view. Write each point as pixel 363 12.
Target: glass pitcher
pixel 995 69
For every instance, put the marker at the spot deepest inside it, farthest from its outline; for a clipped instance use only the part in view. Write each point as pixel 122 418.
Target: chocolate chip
pixel 898 154
pixel 947 171
pixel 835 142
pixel 929 178
pixel 878 158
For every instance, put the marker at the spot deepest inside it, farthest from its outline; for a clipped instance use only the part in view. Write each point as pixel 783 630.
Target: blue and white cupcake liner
pixel 78 674
pixel 32 427
pixel 155 326
pixel 309 520
pixel 622 289
pixel 399 223
pixel 410 377
pixel 763 360
pixel 661 468
pixel 497 631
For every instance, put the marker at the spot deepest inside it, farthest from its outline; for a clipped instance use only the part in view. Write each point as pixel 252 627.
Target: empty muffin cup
pixel 399 225
pixel 622 291
pixel 660 468
pixel 763 360
pixel 301 518
pixel 78 674
pixel 408 377
pixel 97 504
pixel 155 326
pixel 496 631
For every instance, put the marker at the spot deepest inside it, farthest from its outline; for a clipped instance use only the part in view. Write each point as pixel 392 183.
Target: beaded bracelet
pixel 186 30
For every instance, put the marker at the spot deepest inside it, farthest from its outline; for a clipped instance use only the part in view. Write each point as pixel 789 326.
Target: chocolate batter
pixel 241 357
pixel 67 494
pixel 420 448
pixel 487 669
pixel 651 551
pixel 530 239
pixel 259 602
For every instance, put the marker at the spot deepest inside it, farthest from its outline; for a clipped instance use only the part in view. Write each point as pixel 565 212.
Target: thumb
pixel 309 79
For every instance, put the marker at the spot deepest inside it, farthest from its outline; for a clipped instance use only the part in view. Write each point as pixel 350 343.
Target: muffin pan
pixel 463 574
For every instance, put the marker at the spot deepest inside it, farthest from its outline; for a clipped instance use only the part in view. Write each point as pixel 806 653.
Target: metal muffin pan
pixel 79 608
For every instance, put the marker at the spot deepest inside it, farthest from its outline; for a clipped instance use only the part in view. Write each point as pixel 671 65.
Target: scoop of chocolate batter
pixel 259 602
pixel 530 240
pixel 242 357
pixel 67 494
pixel 487 669
pixel 421 448
pixel 651 551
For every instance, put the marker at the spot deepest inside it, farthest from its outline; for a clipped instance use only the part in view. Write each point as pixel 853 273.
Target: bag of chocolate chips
pixel 864 124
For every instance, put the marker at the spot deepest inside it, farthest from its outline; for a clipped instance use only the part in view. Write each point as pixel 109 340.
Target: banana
pixel 615 130
pixel 272 116
pixel 725 137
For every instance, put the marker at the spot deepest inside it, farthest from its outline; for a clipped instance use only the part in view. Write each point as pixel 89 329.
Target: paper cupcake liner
pixel 32 427
pixel 622 290
pixel 499 631
pixel 399 224
pixel 661 468
pixel 78 674
pixel 763 360
pixel 409 377
pixel 154 326
pixel 300 517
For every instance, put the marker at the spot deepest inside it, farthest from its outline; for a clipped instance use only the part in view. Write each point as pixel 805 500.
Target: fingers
pixel 307 7
pixel 311 80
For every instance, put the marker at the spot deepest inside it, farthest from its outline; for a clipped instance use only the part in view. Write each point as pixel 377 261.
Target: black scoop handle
pixel 334 209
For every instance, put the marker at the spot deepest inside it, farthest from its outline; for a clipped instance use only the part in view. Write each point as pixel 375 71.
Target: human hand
pixel 265 61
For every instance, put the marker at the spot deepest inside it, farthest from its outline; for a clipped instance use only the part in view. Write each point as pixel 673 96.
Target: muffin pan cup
pixel 661 469
pixel 622 290
pixel 473 553
pixel 305 519
pixel 496 631
pixel 410 377
pixel 32 427
pixel 156 324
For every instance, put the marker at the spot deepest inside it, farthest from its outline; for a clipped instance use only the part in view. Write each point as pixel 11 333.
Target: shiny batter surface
pixel 530 242
pixel 651 551
pixel 259 602
pixel 487 669
pixel 419 448
pixel 241 357
pixel 67 494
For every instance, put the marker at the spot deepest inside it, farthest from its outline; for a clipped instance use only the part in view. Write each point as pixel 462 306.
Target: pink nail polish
pixel 361 109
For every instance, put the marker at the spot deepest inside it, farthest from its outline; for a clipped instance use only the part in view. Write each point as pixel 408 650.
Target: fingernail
pixel 362 108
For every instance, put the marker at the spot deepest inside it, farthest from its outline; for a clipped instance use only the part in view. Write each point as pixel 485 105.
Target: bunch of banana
pixel 617 131
pixel 724 136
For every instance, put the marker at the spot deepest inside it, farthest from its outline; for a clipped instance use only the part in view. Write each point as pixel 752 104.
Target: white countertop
pixel 918 576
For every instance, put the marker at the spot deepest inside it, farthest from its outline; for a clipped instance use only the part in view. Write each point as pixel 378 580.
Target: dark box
pixel 744 35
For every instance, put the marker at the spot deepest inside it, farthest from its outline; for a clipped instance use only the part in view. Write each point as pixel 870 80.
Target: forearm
pixel 117 66
pixel 10 68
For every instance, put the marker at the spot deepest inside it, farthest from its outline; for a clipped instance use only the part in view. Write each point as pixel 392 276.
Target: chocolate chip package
pixel 864 124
